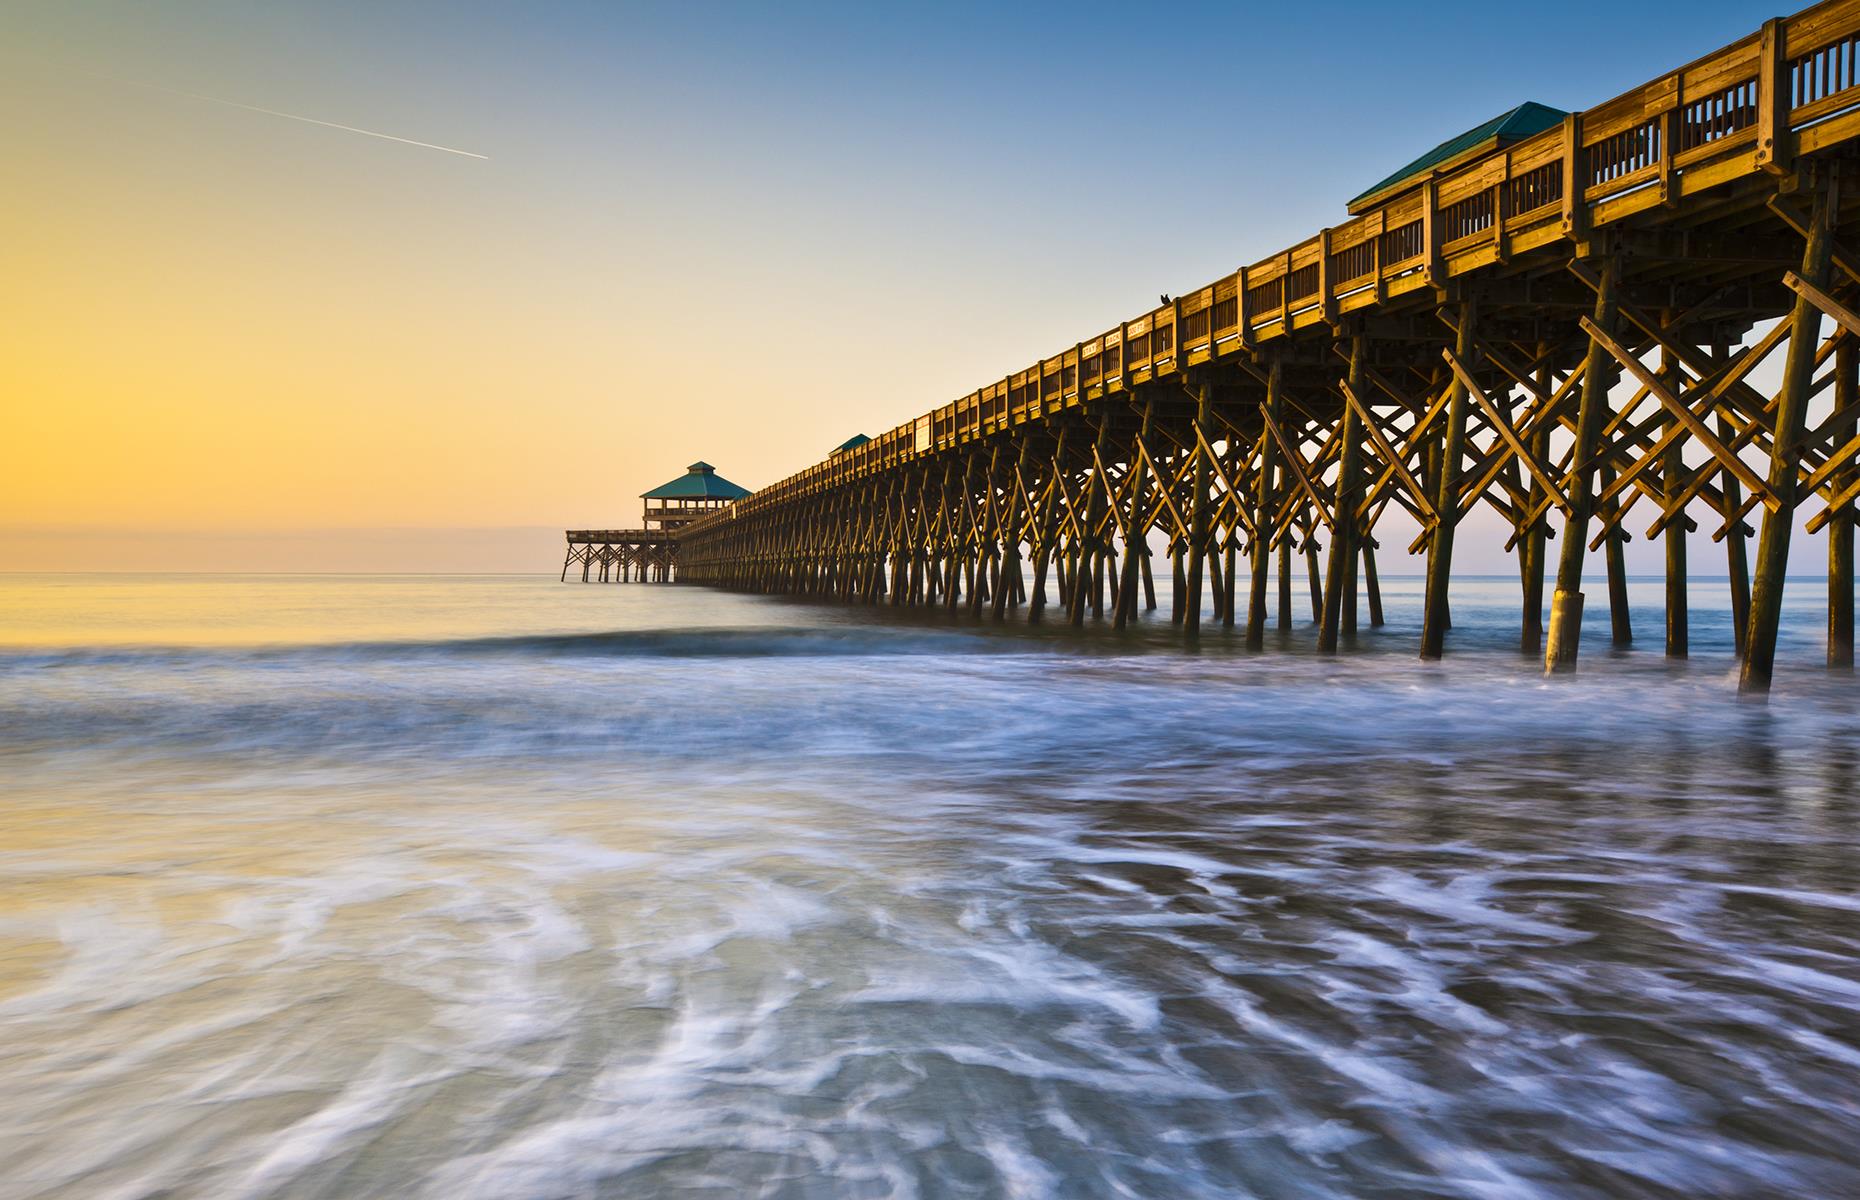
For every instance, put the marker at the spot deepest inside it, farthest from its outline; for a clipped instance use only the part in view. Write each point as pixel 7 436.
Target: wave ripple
pixel 860 913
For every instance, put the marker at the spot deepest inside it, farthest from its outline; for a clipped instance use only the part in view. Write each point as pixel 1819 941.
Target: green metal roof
pixel 1502 130
pixel 699 482
pixel 852 443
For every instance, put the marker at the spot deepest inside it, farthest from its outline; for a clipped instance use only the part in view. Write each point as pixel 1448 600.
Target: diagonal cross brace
pixel 1388 454
pixel 1296 463
pixel 1704 436
pixel 1506 433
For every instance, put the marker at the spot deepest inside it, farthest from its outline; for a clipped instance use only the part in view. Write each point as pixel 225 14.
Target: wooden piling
pixel 1620 623
pixel 1447 491
pixel 1841 524
pixel 1229 580
pixel 1045 530
pixel 1791 419
pixel 1736 550
pixel 1374 585
pixel 1136 558
pixel 1533 548
pixel 1672 471
pixel 1198 549
pixel 1352 606
pixel 1565 633
pixel 1349 492
pixel 1317 583
pixel 1263 527
pixel 1179 592
pixel 1285 583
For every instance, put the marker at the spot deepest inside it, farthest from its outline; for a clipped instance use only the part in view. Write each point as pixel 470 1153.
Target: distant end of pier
pixel 649 554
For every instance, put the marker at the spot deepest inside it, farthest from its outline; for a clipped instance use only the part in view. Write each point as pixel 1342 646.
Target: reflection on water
pixel 534 891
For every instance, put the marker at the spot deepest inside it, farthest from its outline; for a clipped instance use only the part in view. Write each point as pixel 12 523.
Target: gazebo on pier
pixel 649 554
pixel 697 493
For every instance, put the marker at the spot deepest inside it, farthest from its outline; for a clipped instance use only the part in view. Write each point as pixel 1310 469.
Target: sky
pixel 740 233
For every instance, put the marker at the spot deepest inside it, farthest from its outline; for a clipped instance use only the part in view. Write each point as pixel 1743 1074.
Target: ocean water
pixel 504 888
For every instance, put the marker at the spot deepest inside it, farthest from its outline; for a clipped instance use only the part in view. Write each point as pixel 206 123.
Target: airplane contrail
pixel 272 112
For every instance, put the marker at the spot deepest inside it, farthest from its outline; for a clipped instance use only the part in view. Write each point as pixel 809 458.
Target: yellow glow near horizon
pixel 220 321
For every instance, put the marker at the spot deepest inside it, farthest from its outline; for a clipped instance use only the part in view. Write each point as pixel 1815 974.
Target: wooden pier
pixel 1560 316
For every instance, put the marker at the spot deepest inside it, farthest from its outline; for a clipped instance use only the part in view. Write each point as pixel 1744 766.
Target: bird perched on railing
pixel 1166 301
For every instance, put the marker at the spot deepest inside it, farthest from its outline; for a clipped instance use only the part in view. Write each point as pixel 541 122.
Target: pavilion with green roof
pixel 697 493
pixel 1521 122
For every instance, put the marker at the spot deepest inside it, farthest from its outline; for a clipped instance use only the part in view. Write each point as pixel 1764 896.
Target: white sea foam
pixel 840 909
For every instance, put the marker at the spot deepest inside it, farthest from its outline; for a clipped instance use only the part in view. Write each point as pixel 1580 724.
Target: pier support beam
pixel 1135 519
pixel 1791 420
pixel 1373 584
pixel 1088 560
pixel 1598 374
pixel 1199 548
pixel 1229 580
pixel 1178 590
pixel 1349 490
pixel 1736 550
pixel 1285 583
pixel 1672 471
pixel 1008 585
pixel 1532 549
pixel 1046 529
pixel 1265 500
pixel 1620 623
pixel 1447 491
pixel 1317 583
pixel 1841 524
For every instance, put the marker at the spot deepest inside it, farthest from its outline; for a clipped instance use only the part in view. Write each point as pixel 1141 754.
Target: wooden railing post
pixel 1430 231
pixel 1243 310
pixel 1376 230
pixel 1775 144
pixel 1501 209
pixel 1178 357
pixel 1669 144
pixel 1575 181
pixel 1285 296
pixel 1325 300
